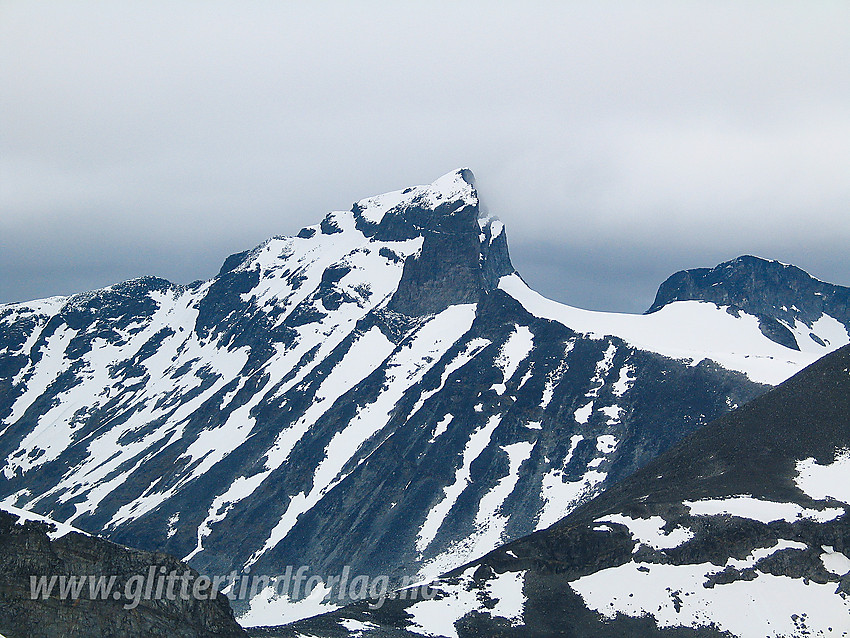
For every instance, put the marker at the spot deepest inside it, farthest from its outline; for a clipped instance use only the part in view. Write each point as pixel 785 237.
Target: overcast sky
pixel 619 142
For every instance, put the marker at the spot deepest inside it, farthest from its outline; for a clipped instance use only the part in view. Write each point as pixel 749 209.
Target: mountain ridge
pixel 36 548
pixel 307 398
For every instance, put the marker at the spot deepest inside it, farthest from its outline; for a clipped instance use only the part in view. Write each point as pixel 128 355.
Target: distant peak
pixel 746 282
pixel 737 282
pixel 778 294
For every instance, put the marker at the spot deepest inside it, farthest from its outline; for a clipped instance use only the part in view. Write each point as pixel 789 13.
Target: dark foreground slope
pixel 741 529
pixel 32 548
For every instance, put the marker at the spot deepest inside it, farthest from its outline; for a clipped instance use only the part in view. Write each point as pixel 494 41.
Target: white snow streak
pixel 479 440
pixel 760 510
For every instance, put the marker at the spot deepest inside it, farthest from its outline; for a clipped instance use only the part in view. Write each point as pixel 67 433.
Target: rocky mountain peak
pixel 424 248
pixel 783 297
pixel 463 254
pixel 447 205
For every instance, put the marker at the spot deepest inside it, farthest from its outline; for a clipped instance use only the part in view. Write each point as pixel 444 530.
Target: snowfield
pixel 693 330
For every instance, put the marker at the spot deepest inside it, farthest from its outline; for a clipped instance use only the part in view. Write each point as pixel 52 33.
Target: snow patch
pixel 437 617
pixel 172 525
pixel 763 552
pixel 575 439
pixel 506 589
pixel 835 562
pixel 606 443
pixel 560 497
pixel 358 626
pixel 267 608
pixel 441 427
pixel 825 481
pixel 649 531
pixel 674 595
pixel 554 376
pixel 624 382
pixel 613 412
pixel 760 510
pixel 582 414
pixel 514 351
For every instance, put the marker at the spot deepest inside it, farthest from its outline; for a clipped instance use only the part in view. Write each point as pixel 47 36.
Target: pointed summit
pixel 460 258
pixel 462 255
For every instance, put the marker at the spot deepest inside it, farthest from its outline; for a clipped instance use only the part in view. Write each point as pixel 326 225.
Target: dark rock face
pixel 752 453
pixel 446 272
pixel 459 260
pixel 776 293
pixel 26 551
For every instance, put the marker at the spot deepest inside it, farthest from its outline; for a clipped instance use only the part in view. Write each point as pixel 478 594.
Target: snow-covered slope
pixel 787 301
pixel 740 530
pixel 695 329
pixel 381 391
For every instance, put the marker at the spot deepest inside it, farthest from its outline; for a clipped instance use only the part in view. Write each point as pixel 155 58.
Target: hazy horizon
pixel 619 143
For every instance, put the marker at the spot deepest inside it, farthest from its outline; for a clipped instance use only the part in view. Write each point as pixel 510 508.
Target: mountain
pixel 790 304
pixel 741 529
pixel 380 392
pixel 35 547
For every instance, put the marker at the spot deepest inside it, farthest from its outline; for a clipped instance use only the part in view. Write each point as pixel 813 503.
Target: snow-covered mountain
pixel 786 300
pixel 382 391
pixel 742 529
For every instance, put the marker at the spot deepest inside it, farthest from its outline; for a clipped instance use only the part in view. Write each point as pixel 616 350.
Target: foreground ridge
pixel 37 549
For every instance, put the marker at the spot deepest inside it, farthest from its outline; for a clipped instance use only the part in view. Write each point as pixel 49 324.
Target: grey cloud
pixel 156 137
